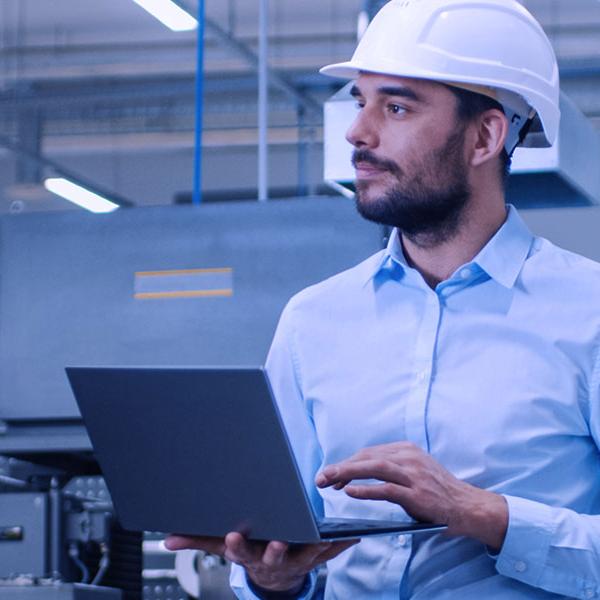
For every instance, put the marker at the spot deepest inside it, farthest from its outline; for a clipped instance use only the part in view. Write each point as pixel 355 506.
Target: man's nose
pixel 362 133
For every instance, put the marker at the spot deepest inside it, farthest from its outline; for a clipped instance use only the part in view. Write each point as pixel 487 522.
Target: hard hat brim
pixel 343 70
pixel 351 70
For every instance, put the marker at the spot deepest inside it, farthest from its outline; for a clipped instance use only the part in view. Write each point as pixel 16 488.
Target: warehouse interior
pixel 170 131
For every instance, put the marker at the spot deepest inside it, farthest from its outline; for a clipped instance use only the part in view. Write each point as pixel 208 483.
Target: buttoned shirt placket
pixel 416 407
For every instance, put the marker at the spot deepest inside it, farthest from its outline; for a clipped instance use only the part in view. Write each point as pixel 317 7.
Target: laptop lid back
pixel 194 451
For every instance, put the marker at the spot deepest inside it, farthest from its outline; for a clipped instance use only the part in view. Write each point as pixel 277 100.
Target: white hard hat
pixel 492 47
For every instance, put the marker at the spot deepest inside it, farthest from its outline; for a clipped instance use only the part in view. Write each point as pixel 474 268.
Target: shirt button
pixel 589 593
pixel 465 273
pixel 520 566
pixel 421 375
pixel 403 541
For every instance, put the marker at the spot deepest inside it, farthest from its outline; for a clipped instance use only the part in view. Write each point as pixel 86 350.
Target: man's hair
pixel 469 106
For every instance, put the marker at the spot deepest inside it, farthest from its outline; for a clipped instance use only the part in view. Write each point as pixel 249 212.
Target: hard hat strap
pixel 514 107
pixel 521 135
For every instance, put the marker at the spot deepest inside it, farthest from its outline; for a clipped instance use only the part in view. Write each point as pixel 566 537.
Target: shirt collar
pixel 502 258
pixel 387 258
pixel 392 255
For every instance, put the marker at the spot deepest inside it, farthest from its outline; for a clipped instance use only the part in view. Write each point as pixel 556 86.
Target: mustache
pixel 361 155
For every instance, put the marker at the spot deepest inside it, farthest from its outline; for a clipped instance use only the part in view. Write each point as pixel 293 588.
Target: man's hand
pixel 427 491
pixel 273 566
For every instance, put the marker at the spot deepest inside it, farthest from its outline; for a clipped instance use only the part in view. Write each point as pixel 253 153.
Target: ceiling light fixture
pixel 170 14
pixel 79 195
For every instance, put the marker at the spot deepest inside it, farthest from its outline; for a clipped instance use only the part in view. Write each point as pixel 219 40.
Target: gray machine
pixel 152 286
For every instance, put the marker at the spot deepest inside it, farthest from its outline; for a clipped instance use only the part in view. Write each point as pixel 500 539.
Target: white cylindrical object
pixel 186 569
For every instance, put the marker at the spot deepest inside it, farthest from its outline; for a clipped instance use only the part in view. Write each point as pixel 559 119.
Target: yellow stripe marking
pixel 182 294
pixel 182 272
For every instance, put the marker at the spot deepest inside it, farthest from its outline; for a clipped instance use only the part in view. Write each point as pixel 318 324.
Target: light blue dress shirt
pixel 495 373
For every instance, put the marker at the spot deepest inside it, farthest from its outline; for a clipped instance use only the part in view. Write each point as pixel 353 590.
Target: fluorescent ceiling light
pixel 79 195
pixel 170 14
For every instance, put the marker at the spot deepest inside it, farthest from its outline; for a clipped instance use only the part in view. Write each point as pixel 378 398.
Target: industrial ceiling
pixel 105 90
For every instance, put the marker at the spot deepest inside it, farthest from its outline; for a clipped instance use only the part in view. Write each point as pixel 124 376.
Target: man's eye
pixel 396 109
pixel 358 104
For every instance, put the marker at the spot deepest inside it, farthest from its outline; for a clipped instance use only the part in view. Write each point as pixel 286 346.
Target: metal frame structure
pixel 162 99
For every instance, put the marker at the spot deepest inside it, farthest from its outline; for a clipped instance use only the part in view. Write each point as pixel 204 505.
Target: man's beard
pixel 426 205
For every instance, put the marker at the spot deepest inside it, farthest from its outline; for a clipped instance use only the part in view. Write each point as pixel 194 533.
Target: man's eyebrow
pixel 390 90
pixel 355 92
pixel 401 91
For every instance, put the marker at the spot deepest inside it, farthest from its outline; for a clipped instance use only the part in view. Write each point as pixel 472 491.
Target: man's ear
pixel 492 129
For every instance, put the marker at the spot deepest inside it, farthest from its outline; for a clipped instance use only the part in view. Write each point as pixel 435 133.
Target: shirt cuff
pixel 303 592
pixel 530 531
pixel 240 587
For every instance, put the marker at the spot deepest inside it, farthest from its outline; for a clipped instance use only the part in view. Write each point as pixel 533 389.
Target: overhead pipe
pixel 197 189
pixel 263 102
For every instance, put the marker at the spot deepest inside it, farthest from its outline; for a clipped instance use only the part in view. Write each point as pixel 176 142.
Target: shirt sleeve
pixel 286 382
pixel 556 549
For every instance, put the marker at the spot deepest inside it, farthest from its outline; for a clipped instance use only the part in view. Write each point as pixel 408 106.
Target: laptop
pixel 203 451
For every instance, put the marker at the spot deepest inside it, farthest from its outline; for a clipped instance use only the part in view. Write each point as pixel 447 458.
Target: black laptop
pixel 203 451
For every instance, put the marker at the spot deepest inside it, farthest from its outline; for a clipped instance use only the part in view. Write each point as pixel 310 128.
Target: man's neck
pixel 436 262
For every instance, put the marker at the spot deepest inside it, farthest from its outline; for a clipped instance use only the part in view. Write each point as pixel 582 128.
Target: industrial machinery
pixel 58 530
pixel 163 286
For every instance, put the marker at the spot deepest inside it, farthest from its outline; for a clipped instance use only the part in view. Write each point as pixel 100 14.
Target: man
pixel 455 376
